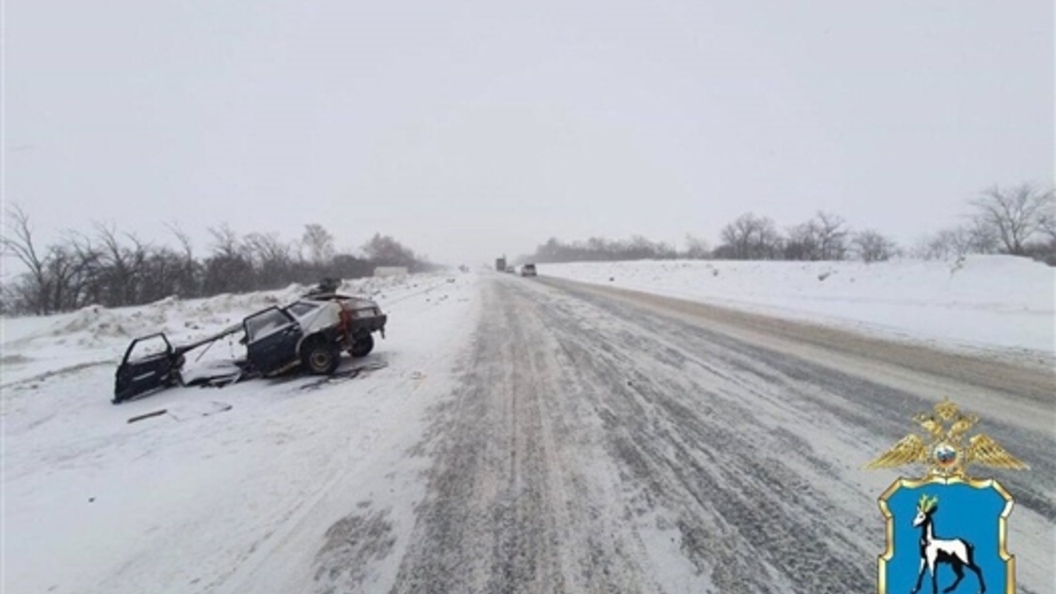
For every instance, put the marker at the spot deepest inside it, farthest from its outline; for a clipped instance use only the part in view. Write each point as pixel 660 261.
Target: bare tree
pixel 270 255
pixel 265 247
pixel 1044 248
pixel 642 248
pixel 697 247
pixel 186 284
pixel 158 275
pixel 975 238
pixel 122 266
pixel 832 236
pixel 319 243
pixel 225 241
pixel 85 282
pixel 55 275
pixel 802 242
pixel 186 247
pixel 62 272
pixel 18 242
pixel 942 245
pixel 383 250
pixel 750 237
pixel 872 246
pixel 1048 226
pixel 1014 214
pixel 8 298
pixel 956 242
pixel 227 269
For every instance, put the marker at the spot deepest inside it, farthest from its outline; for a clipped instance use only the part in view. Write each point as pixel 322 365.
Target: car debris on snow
pixel 309 333
pixel 147 415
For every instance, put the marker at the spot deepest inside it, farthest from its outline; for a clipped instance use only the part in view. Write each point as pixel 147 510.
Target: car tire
pixel 320 358
pixel 362 346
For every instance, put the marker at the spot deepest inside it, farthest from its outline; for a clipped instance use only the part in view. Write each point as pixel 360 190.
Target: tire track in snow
pixel 745 518
pixel 855 409
pixel 878 412
pixel 585 426
pixel 513 505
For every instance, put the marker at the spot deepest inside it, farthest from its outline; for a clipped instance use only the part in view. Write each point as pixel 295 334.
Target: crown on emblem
pixel 944 447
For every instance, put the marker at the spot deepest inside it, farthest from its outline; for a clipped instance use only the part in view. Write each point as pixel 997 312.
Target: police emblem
pixel 946 527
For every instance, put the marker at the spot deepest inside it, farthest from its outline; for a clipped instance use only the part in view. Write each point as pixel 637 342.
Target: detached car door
pixel 148 364
pixel 272 336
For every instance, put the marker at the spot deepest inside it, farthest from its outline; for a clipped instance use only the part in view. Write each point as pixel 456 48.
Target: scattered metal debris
pixel 148 415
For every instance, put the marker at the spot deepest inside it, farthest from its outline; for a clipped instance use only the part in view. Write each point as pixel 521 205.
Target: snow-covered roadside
pixel 995 303
pixel 38 346
pixel 233 489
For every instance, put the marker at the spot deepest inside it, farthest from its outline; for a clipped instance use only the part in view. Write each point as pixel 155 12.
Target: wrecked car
pixel 310 333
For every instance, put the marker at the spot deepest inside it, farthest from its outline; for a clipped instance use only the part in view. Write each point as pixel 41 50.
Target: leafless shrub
pixel 872 246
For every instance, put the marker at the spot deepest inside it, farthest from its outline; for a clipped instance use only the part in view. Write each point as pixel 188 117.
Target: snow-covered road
pixel 527 435
pixel 601 444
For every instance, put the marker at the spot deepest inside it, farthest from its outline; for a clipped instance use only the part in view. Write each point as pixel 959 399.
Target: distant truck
pixel 500 264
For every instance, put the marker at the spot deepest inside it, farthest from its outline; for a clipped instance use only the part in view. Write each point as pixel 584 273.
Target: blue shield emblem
pixel 946 535
pixel 946 532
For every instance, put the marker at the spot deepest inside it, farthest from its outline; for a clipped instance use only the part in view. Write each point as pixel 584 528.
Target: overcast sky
pixel 469 128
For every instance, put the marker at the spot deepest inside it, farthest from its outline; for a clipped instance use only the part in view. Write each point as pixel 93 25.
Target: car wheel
pixel 362 346
pixel 320 358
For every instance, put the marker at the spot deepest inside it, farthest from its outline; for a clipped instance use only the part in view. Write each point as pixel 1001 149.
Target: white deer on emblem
pixel 956 552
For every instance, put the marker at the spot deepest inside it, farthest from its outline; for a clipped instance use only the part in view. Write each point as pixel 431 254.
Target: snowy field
pixel 993 303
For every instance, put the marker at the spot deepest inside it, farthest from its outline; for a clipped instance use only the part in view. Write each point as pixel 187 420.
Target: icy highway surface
pixel 528 435
pixel 635 444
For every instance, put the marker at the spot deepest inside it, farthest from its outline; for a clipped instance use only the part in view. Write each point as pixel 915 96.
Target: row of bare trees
pixel 1018 220
pixel 749 237
pixel 598 249
pixel 825 236
pixel 117 269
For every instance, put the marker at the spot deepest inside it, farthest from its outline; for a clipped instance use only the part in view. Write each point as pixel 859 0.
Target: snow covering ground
pixel 982 302
pixel 201 497
pixel 93 503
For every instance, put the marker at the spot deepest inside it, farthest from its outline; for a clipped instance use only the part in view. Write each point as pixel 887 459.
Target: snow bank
pixel 990 302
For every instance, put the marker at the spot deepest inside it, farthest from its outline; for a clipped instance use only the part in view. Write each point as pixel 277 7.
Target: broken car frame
pixel 309 332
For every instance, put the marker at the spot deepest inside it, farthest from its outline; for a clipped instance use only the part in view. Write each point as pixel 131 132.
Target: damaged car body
pixel 310 333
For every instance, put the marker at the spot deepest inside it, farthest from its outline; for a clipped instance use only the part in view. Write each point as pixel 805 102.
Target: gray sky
pixel 469 128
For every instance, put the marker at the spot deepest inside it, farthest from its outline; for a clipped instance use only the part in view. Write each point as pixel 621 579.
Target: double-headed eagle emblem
pixel 945 447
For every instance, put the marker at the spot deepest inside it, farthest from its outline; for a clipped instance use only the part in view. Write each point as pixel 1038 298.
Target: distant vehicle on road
pixel 528 270
pixel 511 269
